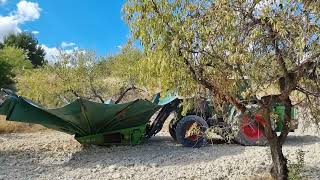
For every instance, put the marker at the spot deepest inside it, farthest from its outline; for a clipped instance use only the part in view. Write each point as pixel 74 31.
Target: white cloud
pixel 51 53
pixel 8 25
pixel 67 44
pixel 69 51
pixel 35 32
pixel 26 11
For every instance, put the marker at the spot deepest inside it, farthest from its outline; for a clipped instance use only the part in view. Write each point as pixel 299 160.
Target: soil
pixel 55 155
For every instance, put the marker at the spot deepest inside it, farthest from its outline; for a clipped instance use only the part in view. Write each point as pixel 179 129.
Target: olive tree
pixel 199 43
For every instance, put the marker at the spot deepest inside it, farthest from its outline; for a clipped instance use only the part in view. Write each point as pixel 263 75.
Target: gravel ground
pixel 54 155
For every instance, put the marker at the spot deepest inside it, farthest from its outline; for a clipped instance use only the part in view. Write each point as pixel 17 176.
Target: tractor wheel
pixel 172 128
pixel 248 133
pixel 190 131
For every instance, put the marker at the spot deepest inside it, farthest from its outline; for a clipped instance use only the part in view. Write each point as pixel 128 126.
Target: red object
pixel 250 129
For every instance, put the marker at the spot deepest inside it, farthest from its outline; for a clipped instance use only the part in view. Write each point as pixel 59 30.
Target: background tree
pixel 12 62
pixel 203 43
pixel 29 44
pixel 76 74
pixel 124 66
pixel 80 73
pixel 6 74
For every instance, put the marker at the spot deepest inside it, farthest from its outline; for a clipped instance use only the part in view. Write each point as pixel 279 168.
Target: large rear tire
pixel 190 131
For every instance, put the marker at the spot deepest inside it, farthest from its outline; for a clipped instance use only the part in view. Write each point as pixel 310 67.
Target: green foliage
pixel 218 44
pixel 6 74
pixel 12 62
pixel 27 42
pixel 16 57
pixel 123 65
pixel 80 73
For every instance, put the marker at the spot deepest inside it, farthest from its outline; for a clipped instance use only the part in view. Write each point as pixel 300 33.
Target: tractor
pixel 193 128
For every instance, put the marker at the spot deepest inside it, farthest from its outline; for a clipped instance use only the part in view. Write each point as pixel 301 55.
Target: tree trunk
pixel 279 169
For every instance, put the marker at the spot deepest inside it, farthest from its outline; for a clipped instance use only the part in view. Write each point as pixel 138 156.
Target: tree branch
pixel 308 92
pixel 94 91
pixel 123 93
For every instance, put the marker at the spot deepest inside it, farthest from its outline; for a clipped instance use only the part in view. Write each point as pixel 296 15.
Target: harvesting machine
pixel 134 122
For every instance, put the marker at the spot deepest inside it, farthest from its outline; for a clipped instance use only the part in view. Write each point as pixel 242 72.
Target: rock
pixel 94 170
pixel 152 165
pixel 39 170
pixel 130 165
pixel 98 166
pixel 116 176
pixel 112 168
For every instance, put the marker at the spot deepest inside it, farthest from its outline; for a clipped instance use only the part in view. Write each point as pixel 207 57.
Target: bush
pixel 296 169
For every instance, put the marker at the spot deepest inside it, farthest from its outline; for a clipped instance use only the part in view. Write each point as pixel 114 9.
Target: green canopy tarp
pixel 100 122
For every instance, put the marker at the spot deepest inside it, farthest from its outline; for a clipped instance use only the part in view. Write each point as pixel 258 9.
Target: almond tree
pixel 80 74
pixel 200 43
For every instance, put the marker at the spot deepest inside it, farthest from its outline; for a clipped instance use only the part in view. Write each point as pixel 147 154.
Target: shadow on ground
pixel 35 159
pixel 311 172
pixel 299 140
pixel 158 151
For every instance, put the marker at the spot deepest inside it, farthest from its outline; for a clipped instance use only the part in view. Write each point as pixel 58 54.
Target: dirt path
pixel 54 155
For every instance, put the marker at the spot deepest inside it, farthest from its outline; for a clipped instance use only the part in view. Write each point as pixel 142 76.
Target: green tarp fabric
pixel 81 117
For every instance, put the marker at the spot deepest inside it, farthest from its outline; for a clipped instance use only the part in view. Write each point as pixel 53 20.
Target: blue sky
pixel 87 24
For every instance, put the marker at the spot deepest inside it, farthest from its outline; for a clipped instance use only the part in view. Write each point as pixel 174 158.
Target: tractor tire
pixel 172 129
pixel 184 125
pixel 247 133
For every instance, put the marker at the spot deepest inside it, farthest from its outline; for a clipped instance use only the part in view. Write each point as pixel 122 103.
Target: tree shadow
pixel 300 140
pixel 158 151
pixel 311 172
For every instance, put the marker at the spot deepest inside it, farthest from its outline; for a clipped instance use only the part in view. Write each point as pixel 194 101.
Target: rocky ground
pixel 54 155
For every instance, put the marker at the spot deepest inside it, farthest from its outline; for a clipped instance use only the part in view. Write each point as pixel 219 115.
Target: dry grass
pixel 13 127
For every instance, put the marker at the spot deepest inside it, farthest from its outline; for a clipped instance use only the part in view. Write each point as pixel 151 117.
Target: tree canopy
pixel 213 41
pixel 83 74
pixel 12 62
pixel 26 41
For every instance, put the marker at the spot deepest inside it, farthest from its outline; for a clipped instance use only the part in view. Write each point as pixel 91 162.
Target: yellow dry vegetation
pixel 13 127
